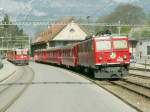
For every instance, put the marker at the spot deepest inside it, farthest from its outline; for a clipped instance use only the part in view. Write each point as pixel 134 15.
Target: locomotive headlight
pixel 100 58
pixel 113 55
pixel 124 57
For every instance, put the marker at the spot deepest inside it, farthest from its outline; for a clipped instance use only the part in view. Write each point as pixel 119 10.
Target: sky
pixel 45 8
pixel 27 10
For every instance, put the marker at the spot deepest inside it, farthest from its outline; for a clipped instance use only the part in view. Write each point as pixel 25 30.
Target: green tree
pixel 140 33
pixel 126 14
pixel 6 21
pixel 13 31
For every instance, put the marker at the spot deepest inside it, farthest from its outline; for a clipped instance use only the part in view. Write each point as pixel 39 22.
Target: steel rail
pixel 139 76
pixel 138 89
pixel 19 93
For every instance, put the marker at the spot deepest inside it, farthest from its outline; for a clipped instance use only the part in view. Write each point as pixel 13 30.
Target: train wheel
pixel 89 72
pixel 115 77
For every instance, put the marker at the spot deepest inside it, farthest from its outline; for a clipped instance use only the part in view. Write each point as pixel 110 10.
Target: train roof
pixel 103 37
pixel 18 49
pixel 50 48
pixel 69 46
pixel 109 37
pixel 53 48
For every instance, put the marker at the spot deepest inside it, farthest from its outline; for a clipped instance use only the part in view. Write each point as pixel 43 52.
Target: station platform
pixel 65 91
pixel 7 70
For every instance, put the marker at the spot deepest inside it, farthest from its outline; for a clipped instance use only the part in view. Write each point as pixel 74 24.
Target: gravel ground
pixel 136 100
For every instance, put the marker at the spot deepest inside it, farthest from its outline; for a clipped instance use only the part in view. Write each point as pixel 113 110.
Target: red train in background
pixel 18 56
pixel 103 57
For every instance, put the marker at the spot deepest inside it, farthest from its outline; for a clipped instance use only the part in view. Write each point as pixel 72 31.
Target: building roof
pixel 72 32
pixel 53 30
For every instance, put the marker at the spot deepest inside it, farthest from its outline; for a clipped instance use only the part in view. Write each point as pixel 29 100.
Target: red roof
pixel 53 30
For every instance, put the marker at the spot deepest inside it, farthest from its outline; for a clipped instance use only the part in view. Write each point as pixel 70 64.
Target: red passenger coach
pixel 18 56
pixel 69 55
pixel 40 55
pixel 52 55
pixel 108 56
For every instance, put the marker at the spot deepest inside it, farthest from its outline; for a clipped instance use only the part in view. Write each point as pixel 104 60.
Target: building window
pixel 72 30
pixel 148 50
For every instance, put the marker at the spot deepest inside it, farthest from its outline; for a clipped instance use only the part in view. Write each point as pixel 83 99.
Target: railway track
pixel 11 91
pixel 134 87
pixel 139 69
pixel 133 92
pixel 140 76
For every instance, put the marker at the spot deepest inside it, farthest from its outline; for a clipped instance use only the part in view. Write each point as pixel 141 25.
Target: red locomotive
pixel 105 57
pixel 18 56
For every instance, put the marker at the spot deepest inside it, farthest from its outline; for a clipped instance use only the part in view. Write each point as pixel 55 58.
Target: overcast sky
pixel 46 7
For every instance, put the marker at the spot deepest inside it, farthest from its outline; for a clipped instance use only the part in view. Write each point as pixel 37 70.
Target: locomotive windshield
pixel 18 52
pixel 120 44
pixel 103 45
pixel 22 52
pixel 25 52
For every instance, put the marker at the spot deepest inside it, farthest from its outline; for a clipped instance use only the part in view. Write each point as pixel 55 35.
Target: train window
pixel 25 52
pixel 63 53
pixel 120 44
pixel 18 52
pixel 72 30
pixel 79 50
pixel 82 48
pixel 103 45
pixel 71 52
pixel 89 46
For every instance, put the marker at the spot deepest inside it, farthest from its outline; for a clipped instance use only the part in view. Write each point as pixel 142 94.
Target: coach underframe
pixel 111 71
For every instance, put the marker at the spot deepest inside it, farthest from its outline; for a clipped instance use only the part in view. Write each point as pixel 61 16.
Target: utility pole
pixel 88 20
pixel 119 28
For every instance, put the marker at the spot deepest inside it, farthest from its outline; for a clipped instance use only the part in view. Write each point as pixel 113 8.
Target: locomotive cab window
pixel 18 53
pixel 25 52
pixel 120 44
pixel 103 45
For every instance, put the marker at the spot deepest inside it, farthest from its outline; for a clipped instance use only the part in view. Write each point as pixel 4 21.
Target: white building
pixel 63 32
pixel 143 51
